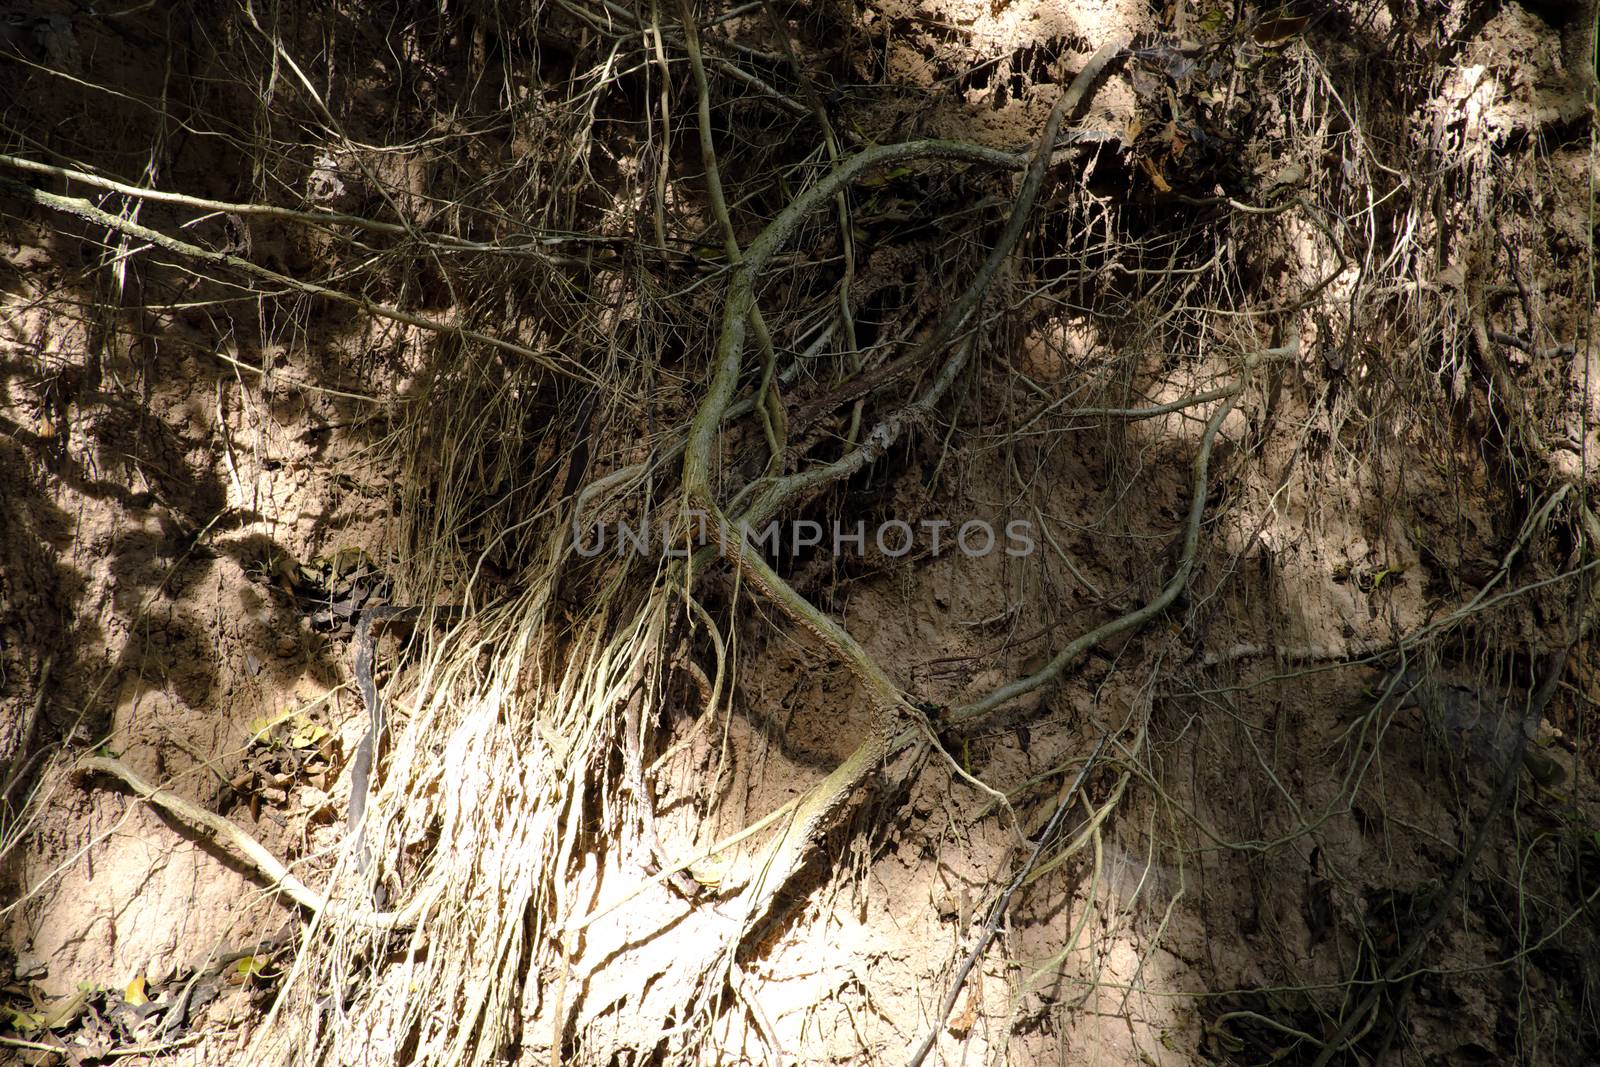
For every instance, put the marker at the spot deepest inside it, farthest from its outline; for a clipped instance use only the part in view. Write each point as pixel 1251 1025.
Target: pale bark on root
pixel 265 863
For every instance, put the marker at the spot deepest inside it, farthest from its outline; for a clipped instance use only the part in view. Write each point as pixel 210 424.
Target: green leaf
pixel 27 1022
pixel 307 734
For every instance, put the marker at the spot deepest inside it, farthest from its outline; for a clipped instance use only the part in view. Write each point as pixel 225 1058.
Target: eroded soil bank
pixel 1287 377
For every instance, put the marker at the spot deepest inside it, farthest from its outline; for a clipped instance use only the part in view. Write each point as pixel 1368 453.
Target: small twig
pixel 324 219
pixel 108 1054
pixel 83 209
pixel 1131 414
pixel 998 911
pixel 1500 337
pixel 726 66
pixel 150 1050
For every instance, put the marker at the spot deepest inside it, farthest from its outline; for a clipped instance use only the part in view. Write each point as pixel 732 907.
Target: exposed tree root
pixel 263 861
